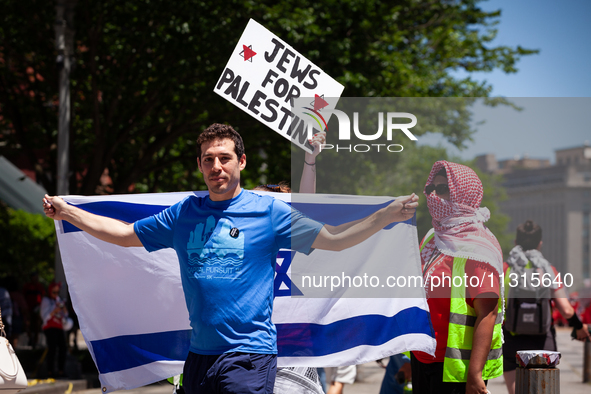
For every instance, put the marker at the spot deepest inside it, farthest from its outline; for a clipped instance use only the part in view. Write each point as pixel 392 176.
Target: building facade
pixel 558 198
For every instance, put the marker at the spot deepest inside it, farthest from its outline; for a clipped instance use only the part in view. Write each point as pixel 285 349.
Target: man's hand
pixel 407 371
pixel 583 333
pixel 567 311
pixel 54 207
pixel 475 385
pixel 403 208
pixel 104 228
pixel 317 141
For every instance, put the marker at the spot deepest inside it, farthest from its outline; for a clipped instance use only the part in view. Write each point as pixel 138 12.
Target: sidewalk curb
pixel 57 387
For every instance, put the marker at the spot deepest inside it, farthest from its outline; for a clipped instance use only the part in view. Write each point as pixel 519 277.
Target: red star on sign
pixel 319 102
pixel 247 52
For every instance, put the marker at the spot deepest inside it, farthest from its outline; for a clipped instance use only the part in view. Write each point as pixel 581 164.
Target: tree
pixel 27 244
pixel 145 70
pixel 28 88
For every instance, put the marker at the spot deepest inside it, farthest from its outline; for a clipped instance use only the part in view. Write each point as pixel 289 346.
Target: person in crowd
pixel 398 371
pixel 585 301
pixel 33 291
pixel 20 310
pixel 233 343
pixel 281 187
pixel 465 313
pixel 6 310
pixel 338 377
pixel 534 331
pixel 53 314
pixel 72 333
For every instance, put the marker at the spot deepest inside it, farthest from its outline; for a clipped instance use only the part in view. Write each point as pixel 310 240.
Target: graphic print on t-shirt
pixel 213 253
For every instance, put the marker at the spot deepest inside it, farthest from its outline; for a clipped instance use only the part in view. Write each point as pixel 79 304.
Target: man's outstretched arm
pixel 106 229
pixel 346 235
pixel 486 310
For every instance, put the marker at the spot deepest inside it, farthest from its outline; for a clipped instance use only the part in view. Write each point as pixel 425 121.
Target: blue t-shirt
pixel 227 251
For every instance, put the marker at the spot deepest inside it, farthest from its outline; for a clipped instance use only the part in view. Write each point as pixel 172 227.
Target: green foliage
pixel 28 86
pixel 27 244
pixel 142 88
pixel 494 193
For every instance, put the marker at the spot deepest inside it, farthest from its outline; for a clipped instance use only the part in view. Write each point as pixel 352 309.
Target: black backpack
pixel 527 308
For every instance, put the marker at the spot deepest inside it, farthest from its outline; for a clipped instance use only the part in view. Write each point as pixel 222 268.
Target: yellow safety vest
pixel 461 331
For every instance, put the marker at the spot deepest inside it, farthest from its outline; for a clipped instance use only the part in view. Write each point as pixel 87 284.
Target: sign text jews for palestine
pixel 264 74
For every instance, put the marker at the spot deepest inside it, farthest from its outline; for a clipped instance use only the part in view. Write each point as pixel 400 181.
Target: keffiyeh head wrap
pixel 519 258
pixel 459 222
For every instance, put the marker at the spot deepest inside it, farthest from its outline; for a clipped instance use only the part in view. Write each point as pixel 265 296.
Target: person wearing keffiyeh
pixel 462 262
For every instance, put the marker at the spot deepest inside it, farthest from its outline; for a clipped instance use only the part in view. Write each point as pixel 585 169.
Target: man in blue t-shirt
pixel 226 244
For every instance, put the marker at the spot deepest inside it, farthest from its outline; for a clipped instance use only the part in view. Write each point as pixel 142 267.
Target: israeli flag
pixel 132 310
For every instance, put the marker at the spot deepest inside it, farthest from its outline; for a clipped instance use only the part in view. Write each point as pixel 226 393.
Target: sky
pixel 561 31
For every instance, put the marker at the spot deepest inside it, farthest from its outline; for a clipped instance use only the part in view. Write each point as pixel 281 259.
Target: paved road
pixel 370 375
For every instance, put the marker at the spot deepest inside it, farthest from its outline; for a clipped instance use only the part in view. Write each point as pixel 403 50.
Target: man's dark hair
pixel 281 187
pixel 529 235
pixel 218 131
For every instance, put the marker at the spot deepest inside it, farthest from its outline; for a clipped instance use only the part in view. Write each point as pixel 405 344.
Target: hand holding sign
pixel 264 75
pixel 317 142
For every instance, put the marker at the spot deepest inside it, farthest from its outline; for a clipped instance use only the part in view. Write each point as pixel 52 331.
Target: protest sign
pixel 263 76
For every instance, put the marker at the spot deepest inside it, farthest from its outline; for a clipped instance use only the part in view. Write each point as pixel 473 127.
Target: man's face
pixel 55 291
pixel 221 168
pixel 441 180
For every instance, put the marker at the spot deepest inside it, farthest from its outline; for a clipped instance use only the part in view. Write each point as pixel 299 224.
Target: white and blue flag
pixel 132 310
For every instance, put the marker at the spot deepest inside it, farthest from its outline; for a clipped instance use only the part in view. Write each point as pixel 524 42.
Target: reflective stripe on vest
pixel 464 354
pixel 465 320
pixel 461 331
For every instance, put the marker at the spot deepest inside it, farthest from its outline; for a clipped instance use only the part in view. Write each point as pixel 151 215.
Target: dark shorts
pixel 514 343
pixel 230 373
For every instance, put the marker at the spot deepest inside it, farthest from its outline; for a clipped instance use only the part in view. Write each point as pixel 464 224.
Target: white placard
pixel 264 74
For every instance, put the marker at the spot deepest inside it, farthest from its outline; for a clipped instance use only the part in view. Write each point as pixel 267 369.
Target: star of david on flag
pixel 283 286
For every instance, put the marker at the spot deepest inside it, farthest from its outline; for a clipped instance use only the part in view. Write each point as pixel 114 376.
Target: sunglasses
pixel 440 189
